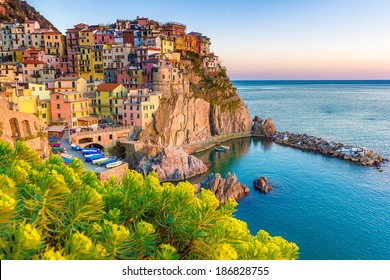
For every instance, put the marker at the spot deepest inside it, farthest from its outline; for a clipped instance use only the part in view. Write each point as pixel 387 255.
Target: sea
pixel 332 209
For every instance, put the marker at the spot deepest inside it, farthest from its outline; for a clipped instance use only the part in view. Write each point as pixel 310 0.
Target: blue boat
pixel 91 153
pixel 91 158
pixel 66 160
pixel 220 149
pixel 75 147
pixel 90 150
pixel 108 162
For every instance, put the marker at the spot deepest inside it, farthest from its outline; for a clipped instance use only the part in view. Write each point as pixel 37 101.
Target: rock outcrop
pixel 263 128
pixel 205 105
pixel 224 188
pixel 260 184
pixel 358 154
pixel 170 164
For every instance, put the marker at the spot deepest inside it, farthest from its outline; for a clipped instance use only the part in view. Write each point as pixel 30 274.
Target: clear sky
pixel 263 39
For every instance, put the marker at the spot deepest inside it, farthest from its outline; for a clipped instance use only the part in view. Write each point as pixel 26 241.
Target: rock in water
pixel 263 128
pixel 261 185
pixel 224 188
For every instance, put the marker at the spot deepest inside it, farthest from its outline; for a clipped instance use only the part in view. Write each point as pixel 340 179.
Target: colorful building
pixel 139 108
pixel 68 102
pixel 108 97
pixel 54 43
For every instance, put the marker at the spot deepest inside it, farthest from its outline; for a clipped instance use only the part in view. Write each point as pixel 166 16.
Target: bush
pixel 52 211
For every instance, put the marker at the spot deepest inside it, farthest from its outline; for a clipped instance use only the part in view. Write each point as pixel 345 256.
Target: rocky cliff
pixel 20 10
pixel 209 107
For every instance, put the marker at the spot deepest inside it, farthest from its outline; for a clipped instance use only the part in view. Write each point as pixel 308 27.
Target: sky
pixel 262 39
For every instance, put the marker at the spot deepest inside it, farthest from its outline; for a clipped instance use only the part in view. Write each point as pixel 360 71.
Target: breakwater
pixel 357 154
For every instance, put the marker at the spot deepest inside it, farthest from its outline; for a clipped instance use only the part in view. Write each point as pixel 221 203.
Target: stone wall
pixel 15 125
pixel 104 137
pixel 117 172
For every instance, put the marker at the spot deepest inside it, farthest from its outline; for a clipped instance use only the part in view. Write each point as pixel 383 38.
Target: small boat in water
pixel 114 164
pixel 220 149
pixel 225 147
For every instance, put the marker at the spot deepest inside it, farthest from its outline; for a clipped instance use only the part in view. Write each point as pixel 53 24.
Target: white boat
pixel 92 155
pixel 64 155
pixel 225 147
pixel 95 161
pixel 114 164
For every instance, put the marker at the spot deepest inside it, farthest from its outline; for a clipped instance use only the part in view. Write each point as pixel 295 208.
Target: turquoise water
pixel 332 209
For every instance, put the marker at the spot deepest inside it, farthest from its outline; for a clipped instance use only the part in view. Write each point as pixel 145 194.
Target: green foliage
pixel 52 211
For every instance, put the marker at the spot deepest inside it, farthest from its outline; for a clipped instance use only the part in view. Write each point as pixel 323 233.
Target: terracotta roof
pixel 107 87
pixel 30 61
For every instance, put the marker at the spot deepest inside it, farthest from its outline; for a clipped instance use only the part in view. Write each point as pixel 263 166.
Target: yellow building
pixel 54 43
pixel 89 56
pixel 136 77
pixel 17 54
pixel 43 96
pixel 108 99
pixel 167 46
pixel 180 44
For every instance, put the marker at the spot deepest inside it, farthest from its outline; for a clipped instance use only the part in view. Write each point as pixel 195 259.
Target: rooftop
pixel 107 87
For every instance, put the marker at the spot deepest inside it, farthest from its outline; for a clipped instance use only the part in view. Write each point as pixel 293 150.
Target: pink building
pixel 103 37
pixel 147 67
pixel 139 108
pixel 123 77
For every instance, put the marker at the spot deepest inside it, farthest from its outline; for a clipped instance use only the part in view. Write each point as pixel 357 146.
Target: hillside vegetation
pixel 20 10
pixel 52 211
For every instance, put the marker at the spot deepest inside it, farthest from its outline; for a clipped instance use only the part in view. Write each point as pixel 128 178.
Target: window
pixel 99 138
pixel 73 84
pixel 74 115
pixel 146 115
pixel 110 94
pixel 110 136
pixel 44 115
pixel 57 96
pixel 124 107
pixel 98 93
pixel 59 116
pixel 59 84
pixel 58 106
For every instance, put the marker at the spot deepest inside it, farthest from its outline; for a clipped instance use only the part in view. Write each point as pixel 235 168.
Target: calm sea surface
pixel 332 209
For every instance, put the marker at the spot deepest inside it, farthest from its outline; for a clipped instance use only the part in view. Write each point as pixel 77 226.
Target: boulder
pixel 170 164
pixel 261 185
pixel 263 128
pixel 224 188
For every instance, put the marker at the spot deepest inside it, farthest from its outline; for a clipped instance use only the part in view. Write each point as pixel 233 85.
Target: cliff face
pixel 209 107
pixel 20 10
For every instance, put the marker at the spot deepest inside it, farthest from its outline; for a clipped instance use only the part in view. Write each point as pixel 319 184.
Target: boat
pixel 225 147
pixel 65 155
pixel 220 149
pixel 108 162
pixel 90 150
pixel 91 158
pixel 75 147
pixel 55 145
pixel 114 164
pixel 91 153
pixel 104 161
pixel 52 139
pixel 96 161
pixel 66 160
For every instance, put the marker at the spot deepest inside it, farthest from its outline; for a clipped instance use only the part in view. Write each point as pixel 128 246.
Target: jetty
pixel 357 154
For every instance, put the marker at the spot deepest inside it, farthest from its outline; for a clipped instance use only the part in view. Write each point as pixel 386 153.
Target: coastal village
pixel 93 74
